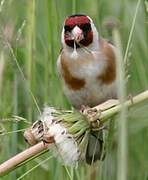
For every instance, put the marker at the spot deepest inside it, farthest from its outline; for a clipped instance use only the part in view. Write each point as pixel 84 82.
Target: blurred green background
pixel 30 33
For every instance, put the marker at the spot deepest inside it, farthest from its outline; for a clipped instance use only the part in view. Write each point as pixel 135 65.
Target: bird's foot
pixel 92 115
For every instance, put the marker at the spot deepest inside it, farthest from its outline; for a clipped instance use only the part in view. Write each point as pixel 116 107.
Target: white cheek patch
pixel 62 37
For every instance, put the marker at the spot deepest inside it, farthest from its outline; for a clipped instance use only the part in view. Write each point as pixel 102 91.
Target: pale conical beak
pixel 77 34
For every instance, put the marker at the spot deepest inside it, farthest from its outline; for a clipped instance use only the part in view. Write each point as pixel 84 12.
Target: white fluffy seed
pixel 65 147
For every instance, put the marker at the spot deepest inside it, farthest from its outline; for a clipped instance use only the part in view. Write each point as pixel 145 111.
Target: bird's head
pixel 79 30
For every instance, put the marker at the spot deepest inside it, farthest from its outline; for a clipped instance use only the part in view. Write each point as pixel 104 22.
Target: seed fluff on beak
pixel 74 54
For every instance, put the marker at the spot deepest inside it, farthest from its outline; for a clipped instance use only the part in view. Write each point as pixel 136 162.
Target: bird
pixel 87 68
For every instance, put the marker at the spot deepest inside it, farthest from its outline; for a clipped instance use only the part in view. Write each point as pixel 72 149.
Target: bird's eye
pixel 67 28
pixel 86 27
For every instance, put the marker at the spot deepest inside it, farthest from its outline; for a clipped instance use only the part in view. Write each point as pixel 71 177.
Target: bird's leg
pixel 91 114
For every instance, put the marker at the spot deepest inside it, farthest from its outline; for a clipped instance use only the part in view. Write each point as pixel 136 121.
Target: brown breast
pixel 72 82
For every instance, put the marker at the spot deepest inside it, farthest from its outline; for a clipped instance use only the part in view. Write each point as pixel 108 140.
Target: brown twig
pixel 15 161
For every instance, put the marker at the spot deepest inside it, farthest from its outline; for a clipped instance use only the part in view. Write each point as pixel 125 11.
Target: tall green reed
pixel 43 45
pixel 30 48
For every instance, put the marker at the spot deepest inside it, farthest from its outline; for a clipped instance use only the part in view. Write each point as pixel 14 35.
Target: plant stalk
pixel 21 158
pixel 105 115
pixel 39 148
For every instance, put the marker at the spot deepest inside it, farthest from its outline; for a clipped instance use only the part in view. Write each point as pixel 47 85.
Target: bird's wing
pixel 108 52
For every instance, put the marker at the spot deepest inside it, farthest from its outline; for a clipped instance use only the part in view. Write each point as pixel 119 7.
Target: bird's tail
pixel 94 149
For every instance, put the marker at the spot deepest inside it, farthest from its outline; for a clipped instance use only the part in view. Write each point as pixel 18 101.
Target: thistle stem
pixel 22 157
pixel 40 148
pixel 105 115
